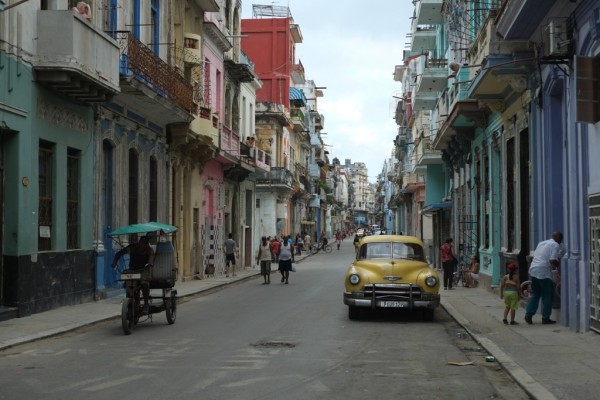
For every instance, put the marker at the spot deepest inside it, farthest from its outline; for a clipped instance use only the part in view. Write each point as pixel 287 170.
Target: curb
pixel 533 388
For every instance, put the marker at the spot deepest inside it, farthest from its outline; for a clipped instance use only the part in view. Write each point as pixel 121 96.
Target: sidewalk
pixel 64 319
pixel 548 361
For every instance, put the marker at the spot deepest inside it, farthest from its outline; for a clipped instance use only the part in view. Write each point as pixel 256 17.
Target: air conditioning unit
pixel 557 41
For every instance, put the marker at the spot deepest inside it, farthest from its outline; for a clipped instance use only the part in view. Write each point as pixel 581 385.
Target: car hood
pixel 401 270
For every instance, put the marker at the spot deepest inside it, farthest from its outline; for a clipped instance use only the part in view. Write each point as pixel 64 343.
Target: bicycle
pixel 460 276
pixel 526 288
pixel 321 246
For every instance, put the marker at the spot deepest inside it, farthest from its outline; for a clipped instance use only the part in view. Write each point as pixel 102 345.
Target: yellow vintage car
pixel 391 272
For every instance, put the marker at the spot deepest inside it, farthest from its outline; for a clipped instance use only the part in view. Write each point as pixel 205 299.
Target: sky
pixel 351 47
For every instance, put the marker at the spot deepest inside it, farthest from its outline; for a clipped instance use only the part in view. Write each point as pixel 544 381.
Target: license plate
pixel 127 277
pixel 393 304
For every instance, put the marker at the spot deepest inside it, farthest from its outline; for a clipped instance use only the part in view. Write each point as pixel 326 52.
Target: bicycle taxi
pixel 161 282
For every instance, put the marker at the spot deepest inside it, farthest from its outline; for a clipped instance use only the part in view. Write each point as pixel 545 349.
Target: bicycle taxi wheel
pixel 327 248
pixel 314 249
pixel 127 315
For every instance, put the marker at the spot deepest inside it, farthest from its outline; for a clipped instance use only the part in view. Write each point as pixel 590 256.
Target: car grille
pixel 393 291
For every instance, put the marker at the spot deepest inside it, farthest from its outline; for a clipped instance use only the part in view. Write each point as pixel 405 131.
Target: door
pixel 107 204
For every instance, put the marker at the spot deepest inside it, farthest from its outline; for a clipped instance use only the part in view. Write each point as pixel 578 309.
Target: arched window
pixel 133 186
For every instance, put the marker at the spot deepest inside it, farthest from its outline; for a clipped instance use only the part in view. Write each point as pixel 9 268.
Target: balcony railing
pixel 139 60
pixel 230 141
pixel 298 119
pixel 255 156
pixel 277 176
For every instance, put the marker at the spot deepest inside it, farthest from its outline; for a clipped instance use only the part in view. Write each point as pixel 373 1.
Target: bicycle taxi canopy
pixel 146 227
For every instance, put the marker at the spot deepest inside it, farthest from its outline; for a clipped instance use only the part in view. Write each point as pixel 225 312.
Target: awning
pixel 297 94
pixel 434 207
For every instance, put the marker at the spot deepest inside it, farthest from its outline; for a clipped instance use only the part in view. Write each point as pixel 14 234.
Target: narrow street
pixel 254 341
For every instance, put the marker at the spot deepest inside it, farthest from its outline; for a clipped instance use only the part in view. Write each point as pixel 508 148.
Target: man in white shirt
pixel 545 258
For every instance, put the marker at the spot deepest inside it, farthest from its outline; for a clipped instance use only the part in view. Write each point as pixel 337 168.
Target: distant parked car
pixel 391 272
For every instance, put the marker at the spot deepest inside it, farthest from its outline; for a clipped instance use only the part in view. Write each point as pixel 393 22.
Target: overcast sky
pixel 351 47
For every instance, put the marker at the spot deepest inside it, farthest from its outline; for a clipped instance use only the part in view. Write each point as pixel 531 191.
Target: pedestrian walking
pixel 449 261
pixel 275 246
pixel 285 260
pixel 545 258
pixel 338 239
pixel 263 257
pixel 306 242
pixel 230 248
pixel 510 292
pixel 299 244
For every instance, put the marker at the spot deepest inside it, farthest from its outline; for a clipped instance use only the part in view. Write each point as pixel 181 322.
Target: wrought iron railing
pixel 277 176
pixel 140 60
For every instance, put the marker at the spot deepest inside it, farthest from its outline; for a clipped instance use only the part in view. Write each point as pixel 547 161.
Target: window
pixel 46 172
pixel 73 188
pixel 153 195
pixel 133 186
pixel 155 27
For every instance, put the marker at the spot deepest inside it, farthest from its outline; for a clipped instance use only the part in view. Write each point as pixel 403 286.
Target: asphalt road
pixel 254 341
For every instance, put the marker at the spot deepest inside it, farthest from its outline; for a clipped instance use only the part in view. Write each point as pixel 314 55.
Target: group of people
pixel 273 250
pixel 546 258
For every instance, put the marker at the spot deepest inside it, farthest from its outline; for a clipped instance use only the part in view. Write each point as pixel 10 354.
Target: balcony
pixel 521 18
pixel 430 80
pixel 229 146
pixel 193 146
pixel 298 119
pixel 255 157
pixel 412 183
pixel 425 154
pixel 277 178
pixel 151 86
pixel 242 71
pixel 319 120
pixel 203 125
pixel 432 74
pixel 75 58
pixel 429 12
pixel 424 38
pixel 424 101
pixel 208 5
pixel 505 67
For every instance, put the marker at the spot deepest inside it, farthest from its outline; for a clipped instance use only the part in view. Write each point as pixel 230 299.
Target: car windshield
pixel 397 250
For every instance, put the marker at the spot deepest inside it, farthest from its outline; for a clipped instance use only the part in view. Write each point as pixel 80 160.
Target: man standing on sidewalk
pixel 545 257
pixel 230 248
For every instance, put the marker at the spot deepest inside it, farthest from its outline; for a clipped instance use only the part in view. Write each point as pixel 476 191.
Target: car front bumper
pixel 413 298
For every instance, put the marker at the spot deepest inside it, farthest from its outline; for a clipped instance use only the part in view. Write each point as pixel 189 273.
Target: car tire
pixel 428 315
pixel 353 312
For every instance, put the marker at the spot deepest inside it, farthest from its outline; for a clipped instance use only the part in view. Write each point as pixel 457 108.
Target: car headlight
pixel 431 281
pixel 354 279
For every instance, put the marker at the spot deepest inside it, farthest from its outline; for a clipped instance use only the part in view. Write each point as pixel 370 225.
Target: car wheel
pixel 428 315
pixel 353 312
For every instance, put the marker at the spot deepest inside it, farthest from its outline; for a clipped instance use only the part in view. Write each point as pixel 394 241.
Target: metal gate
pixel 467 238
